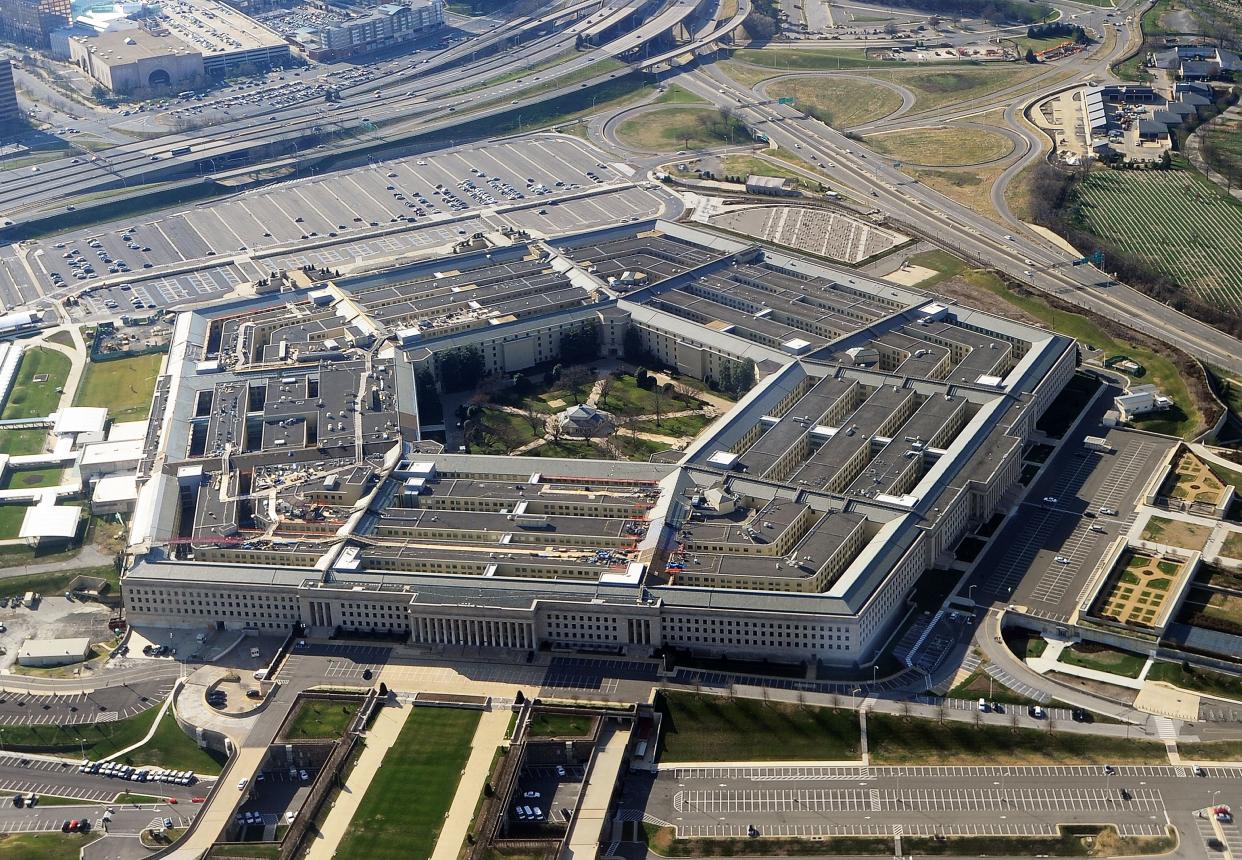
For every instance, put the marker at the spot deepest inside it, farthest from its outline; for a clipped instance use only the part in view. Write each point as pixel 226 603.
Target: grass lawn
pixel 1106 842
pixel 934 88
pixel 627 400
pixel 1176 533
pixel 636 448
pixel 663 842
pixel 44 846
pixel 51 583
pixel 839 102
pixel 321 719
pixel 1104 659
pixel 172 748
pixel 906 740
pixel 744 165
pixel 28 478
pixel 560 725
pixel 18 443
pixel 676 95
pixel 1160 370
pixel 11 517
pixel 1196 679
pixel 943 147
pixel 571 449
pixel 712 728
pixel 1232 546
pixel 30 399
pixel 679 425
pixel 499 432
pixel 124 386
pixel 1212 750
pixel 1025 643
pixel 677 128
pixel 97 739
pixel 1222 148
pixel 797 60
pixel 403 810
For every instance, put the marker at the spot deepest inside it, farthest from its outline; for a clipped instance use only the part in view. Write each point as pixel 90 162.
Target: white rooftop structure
pixel 80 419
pixel 122 431
pixel 115 490
pixel 50 652
pixel 50 521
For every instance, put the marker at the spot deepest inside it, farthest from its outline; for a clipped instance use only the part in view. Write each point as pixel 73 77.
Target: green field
pixel 677 128
pixel 636 448
pixel 840 102
pixel 903 740
pixel 944 147
pixel 560 725
pixel 495 431
pixel 124 386
pixel 1104 659
pixel 27 479
pixel 321 719
pixel 1160 370
pixel 403 810
pixel 1181 225
pixel 11 517
pixel 711 728
pixel 44 846
pixel 938 87
pixel 570 449
pixel 17 443
pixel 30 399
pixel 811 60
pixel 172 748
pixel 1199 680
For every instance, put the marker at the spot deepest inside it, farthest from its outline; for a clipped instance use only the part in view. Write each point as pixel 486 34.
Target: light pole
pixel 971 590
pixel 854 698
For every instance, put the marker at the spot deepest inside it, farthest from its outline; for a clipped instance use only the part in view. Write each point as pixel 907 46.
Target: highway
pixel 443 97
pixel 907 202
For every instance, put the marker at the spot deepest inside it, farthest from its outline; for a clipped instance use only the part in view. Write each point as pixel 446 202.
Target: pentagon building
pixel 286 480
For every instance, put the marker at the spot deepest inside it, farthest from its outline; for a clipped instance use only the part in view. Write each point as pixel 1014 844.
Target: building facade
pixel 31 22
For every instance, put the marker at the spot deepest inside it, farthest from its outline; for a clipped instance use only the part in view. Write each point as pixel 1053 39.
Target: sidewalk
pixel 379 739
pixel 489 735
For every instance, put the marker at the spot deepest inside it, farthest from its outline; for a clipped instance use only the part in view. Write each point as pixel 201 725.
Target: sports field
pixel 404 807
pixel 1185 227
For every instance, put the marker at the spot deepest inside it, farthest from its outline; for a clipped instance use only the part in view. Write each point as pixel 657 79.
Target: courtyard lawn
pixel 18 443
pixel 26 479
pixel 1176 533
pixel 321 719
pixel 34 399
pixel 907 740
pixel 499 432
pixel 626 399
pixel 11 517
pixel 124 386
pixel 570 449
pixel 679 425
pixel 636 448
pixel 560 725
pixel 404 808
pixel 712 728
pixel 1104 659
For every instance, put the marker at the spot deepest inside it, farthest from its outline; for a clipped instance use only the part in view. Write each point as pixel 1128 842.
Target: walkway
pixel 379 739
pixel 1050 661
pixel 487 737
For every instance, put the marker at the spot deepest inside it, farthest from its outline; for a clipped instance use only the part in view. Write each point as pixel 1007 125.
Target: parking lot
pixel 61 778
pixel 925 800
pixel 337 220
pixel 1043 557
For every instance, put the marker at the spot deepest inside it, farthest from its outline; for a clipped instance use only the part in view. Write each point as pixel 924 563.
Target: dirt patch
pixel 963 291
pixel 1107 691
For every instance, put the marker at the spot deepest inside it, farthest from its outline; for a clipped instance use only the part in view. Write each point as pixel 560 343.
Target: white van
pixel 983 706
pixel 260 675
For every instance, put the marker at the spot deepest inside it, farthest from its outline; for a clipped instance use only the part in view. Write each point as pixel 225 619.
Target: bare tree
pixel 942 711
pixel 605 388
pixel 537 420
pixel 1013 718
pixel 905 708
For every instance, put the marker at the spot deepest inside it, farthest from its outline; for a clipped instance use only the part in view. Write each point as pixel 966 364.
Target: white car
pixel 1062 560
pixel 532 795
pixel 241 783
pixel 1051 500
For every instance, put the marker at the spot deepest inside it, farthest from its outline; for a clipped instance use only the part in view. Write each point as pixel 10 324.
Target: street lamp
pixel 971 590
pixel 854 698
